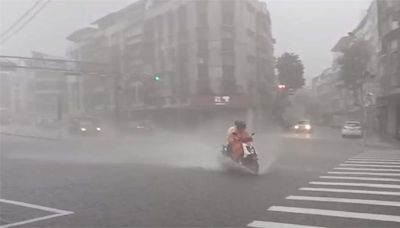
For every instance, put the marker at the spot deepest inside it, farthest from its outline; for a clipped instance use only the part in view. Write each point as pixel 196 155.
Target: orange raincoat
pixel 235 140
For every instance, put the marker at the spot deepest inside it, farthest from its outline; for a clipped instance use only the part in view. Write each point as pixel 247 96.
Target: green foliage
pixel 290 71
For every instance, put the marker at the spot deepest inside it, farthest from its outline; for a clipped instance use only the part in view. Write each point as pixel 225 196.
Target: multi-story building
pixel 184 58
pixel 48 89
pixel 389 67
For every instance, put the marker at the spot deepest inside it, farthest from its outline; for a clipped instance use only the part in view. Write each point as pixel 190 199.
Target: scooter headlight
pixel 296 127
pixel 98 129
pixel 308 127
pixel 83 129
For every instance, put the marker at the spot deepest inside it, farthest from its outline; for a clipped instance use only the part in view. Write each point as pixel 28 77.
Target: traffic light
pixel 157 78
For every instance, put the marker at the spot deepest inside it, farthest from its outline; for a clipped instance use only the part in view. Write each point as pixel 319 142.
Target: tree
pixel 353 67
pixel 290 71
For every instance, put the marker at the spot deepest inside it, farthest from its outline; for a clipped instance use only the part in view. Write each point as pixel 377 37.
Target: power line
pixel 26 22
pixel 20 19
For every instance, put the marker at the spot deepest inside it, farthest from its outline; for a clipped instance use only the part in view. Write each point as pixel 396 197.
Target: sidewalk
pixel 30 131
pixel 379 143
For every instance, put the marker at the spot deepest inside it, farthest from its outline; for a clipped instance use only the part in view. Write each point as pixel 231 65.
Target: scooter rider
pixel 237 135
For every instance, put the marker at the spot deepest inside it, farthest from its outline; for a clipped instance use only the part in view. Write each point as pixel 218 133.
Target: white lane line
pixel 373 162
pixel 345 200
pixel 374 159
pixel 366 165
pixel 351 191
pixel 366 173
pixel 34 206
pixel 265 224
pixel 57 213
pixel 356 184
pixel 33 220
pixel 334 213
pixel 367 169
pixel 359 178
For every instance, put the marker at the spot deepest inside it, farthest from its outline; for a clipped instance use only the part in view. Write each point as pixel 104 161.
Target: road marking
pixel 366 165
pixel 356 184
pixel 370 157
pixel 346 200
pixel 262 224
pixel 335 213
pixel 374 159
pixel 32 220
pixel 367 169
pixel 34 206
pixel 373 162
pixel 351 191
pixel 359 178
pixel 57 213
pixel 367 173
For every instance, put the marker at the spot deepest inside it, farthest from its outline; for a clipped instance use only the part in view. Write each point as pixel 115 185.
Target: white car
pixel 352 129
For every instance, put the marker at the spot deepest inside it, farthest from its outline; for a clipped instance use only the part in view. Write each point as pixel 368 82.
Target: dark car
pixel 85 125
pixel 139 127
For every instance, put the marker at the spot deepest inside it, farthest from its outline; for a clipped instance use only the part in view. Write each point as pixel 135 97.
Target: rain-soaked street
pixel 175 180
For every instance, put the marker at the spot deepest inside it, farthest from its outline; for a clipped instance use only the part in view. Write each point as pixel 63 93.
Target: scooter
pixel 249 160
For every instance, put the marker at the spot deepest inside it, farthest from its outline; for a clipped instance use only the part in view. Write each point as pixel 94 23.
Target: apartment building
pixel 389 67
pixel 200 56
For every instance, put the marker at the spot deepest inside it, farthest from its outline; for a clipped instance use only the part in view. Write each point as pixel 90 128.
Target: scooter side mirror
pixel 253 134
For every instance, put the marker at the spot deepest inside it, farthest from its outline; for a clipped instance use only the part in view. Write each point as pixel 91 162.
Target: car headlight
pixel 296 127
pixel 83 129
pixel 308 127
pixel 98 128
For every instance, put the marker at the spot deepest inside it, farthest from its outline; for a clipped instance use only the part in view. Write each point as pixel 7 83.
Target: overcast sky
pixel 307 27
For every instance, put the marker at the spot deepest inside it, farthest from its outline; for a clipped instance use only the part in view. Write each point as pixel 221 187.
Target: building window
pixel 203 47
pixel 202 13
pixel 228 18
pixel 171 22
pixel 202 70
pixel 182 17
pixel 394 45
pixel 227 45
pixel 251 59
pixel 227 32
pixel 202 33
pixel 228 59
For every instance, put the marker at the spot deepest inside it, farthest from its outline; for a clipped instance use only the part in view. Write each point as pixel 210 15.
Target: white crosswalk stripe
pixel 367 169
pixel 374 162
pixel 335 213
pixel 368 176
pixel 351 191
pixel 345 200
pixel 359 178
pixel 366 165
pixel 373 159
pixel 262 224
pixel 356 184
pixel 366 173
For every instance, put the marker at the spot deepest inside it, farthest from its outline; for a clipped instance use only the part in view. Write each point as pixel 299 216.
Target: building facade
pixel 189 57
pixel 389 67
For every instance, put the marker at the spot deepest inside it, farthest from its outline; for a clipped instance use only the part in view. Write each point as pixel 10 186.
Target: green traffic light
pixel 157 78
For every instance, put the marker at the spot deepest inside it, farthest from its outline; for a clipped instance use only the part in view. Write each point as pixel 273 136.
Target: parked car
pixel 352 129
pixel 85 125
pixel 303 126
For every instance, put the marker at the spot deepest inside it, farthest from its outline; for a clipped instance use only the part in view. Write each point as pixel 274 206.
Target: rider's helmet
pixel 240 124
